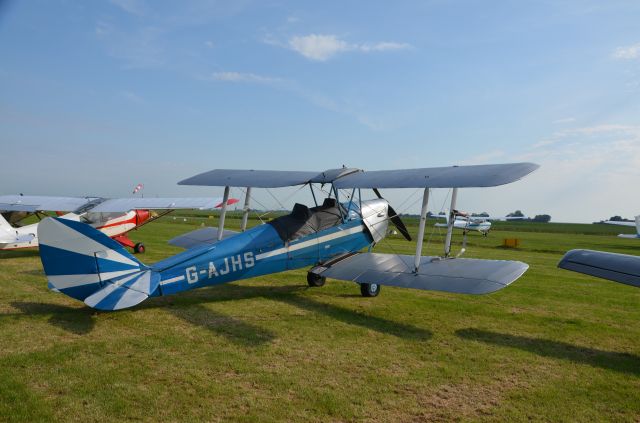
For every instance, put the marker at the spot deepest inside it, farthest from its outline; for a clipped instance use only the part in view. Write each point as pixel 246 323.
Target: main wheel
pixel 369 289
pixel 315 280
pixel 139 248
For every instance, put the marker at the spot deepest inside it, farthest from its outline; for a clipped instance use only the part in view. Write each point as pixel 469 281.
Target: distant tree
pixel 544 218
pixel 516 213
pixel 483 214
pixel 429 214
pixel 616 219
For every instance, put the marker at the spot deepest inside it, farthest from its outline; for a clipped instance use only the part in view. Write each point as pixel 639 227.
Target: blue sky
pixel 98 96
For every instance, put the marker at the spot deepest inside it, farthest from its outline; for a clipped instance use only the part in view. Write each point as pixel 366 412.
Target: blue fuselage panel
pixel 255 252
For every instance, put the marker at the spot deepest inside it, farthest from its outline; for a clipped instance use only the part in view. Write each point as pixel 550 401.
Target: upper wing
pixel 621 268
pixel 33 203
pixel 436 177
pixel 439 177
pixel 126 204
pixel 250 178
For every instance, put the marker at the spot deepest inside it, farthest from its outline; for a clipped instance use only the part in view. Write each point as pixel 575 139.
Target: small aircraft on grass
pixel 85 264
pixel 635 224
pixel 467 222
pixel 114 217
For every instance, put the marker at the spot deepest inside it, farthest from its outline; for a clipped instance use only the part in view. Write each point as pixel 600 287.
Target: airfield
pixel 553 346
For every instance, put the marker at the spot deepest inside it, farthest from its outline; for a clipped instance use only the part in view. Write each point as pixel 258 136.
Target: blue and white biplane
pixel 330 237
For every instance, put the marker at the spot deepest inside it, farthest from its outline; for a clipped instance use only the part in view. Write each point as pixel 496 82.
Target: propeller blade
pixel 395 218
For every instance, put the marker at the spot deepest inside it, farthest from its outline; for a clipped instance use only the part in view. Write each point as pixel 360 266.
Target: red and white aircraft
pixel 114 217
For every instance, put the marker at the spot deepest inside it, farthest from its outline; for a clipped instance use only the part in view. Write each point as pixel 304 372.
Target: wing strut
pixel 223 213
pixel 245 210
pixel 423 221
pixel 451 222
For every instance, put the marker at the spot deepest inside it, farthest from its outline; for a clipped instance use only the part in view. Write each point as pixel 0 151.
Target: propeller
pixel 395 218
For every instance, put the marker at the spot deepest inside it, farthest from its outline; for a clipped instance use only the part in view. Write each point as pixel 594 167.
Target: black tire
pixel 315 281
pixel 370 289
pixel 139 248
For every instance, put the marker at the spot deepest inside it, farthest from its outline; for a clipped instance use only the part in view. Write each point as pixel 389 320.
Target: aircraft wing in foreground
pixel 621 268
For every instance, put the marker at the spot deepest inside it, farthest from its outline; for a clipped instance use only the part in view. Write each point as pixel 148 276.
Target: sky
pixel 96 97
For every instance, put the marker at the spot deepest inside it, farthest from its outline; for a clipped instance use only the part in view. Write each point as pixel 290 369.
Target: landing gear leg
pixel 315 281
pixel 369 289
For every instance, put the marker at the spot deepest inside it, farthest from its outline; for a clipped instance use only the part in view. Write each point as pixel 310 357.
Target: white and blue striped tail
pixel 85 264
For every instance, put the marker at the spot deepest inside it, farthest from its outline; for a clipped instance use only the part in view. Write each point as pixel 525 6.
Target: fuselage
pixel 469 225
pixel 261 250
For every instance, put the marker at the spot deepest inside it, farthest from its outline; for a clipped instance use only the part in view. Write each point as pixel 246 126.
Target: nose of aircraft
pixel 142 216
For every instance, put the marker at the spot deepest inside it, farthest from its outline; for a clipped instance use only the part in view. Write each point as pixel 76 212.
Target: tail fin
pixel 4 225
pixel 85 264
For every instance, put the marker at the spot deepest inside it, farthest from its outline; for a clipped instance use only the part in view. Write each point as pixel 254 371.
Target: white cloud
pixel 386 46
pixel 320 47
pixel 242 77
pixel 627 53
pixel 209 44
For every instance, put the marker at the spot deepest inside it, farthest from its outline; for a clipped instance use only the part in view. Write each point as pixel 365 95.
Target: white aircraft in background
pixel 466 222
pixel 636 224
pixel 113 217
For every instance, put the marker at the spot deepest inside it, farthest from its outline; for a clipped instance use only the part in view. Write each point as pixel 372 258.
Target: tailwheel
pixel 369 289
pixel 139 248
pixel 315 281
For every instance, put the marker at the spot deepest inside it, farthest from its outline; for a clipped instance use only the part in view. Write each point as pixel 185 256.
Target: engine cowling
pixel 142 216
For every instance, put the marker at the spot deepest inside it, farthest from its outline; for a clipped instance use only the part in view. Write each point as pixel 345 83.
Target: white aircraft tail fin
pixel 4 225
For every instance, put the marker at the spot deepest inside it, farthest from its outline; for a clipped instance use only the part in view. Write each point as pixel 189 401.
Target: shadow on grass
pixel 27 252
pixel 290 295
pixel 620 362
pixel 72 319
pixel 235 330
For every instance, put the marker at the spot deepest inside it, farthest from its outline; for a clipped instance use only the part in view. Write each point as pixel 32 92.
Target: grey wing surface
pixel 250 178
pixel 33 203
pixel 461 276
pixel 126 204
pixel 621 268
pixel 439 177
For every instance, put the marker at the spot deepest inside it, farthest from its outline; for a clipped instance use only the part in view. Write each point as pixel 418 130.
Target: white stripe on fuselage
pixel 339 234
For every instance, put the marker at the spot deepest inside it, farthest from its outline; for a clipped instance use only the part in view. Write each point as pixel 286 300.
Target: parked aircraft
pixel 635 224
pixel 114 217
pixel 85 264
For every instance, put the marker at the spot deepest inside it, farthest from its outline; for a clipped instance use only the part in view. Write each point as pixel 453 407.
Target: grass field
pixel 554 346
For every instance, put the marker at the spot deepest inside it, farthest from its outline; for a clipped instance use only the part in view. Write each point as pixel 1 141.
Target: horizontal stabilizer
pixel 621 268
pixel 203 236
pixel 125 291
pixel 462 276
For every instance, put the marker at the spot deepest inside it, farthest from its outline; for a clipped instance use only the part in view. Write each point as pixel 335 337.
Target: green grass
pixel 554 346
